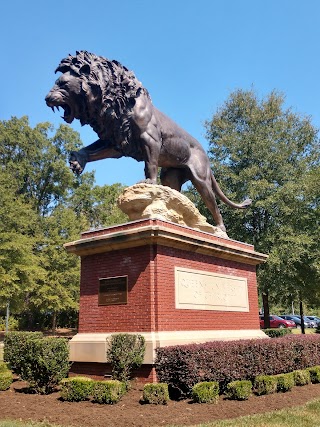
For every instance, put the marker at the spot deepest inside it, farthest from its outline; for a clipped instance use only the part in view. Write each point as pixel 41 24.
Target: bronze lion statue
pixel 107 96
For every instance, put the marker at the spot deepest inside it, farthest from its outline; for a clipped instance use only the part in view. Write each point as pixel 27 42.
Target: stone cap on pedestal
pixel 155 231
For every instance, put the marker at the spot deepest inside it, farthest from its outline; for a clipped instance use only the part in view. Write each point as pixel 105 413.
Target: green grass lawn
pixel 307 415
pixel 307 330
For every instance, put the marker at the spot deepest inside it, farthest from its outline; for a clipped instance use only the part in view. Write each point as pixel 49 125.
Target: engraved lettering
pixel 210 291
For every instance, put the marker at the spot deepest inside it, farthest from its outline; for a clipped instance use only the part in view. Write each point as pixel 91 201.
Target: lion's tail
pixel 217 190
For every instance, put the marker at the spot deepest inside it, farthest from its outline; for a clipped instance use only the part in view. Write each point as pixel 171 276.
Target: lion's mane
pixel 109 93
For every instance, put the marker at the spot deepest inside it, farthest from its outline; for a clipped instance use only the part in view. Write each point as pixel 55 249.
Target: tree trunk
pixel 29 314
pixel 7 316
pixel 30 321
pixel 303 331
pixel 266 313
pixel 54 322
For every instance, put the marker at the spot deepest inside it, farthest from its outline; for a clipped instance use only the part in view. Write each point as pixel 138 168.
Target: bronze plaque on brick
pixel 113 290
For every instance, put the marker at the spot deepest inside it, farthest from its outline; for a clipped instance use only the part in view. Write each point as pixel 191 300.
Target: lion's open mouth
pixel 68 115
pixel 55 99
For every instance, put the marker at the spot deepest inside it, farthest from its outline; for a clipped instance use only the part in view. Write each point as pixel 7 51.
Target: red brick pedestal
pixel 183 286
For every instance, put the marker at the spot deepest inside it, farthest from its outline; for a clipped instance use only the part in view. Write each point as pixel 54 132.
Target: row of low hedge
pixel 268 384
pixel 277 333
pixel 181 367
pixel 76 389
pixel 80 388
pixel 208 392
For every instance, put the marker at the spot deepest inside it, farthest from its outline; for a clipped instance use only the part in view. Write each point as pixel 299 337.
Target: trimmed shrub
pixel 265 384
pixel 76 389
pixel 125 352
pixel 285 382
pixel 314 374
pixel 4 367
pixel 239 390
pixel 156 394
pixel 205 392
pixel 15 344
pixel 12 326
pixel 108 391
pixel 45 364
pixel 5 379
pixel 277 333
pixel 301 377
pixel 181 367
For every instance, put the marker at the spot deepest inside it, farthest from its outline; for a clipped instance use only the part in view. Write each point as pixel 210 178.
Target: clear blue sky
pixel 189 54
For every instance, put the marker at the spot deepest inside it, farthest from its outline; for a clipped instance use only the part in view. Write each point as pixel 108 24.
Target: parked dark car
pixel 277 322
pixel 315 319
pixel 297 320
pixel 308 322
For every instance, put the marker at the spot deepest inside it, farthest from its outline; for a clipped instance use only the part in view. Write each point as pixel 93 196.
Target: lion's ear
pixel 62 68
pixel 85 69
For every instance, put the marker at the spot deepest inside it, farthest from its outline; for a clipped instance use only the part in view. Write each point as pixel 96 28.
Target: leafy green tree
pixel 59 288
pixel 36 180
pixel 43 205
pixel 98 204
pixel 261 150
pixel 19 265
pixel 37 159
pixel 106 207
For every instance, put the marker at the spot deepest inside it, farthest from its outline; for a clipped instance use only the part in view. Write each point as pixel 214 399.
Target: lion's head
pixel 94 89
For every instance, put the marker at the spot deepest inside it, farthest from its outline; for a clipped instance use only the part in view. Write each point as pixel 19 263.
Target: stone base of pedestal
pixel 92 347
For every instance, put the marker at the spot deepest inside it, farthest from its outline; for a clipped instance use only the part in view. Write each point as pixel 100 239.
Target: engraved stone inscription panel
pixel 113 290
pixel 200 290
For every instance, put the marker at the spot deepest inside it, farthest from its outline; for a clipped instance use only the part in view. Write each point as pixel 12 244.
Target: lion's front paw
pixel 77 162
pixel 148 181
pixel 75 167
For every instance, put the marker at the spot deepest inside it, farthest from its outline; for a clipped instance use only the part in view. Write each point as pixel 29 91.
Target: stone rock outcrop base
pixel 142 201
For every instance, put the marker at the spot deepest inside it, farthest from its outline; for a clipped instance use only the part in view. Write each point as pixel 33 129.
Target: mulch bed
pixel 16 403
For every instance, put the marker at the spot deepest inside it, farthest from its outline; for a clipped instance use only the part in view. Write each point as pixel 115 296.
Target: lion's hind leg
pixel 203 186
pixel 174 177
